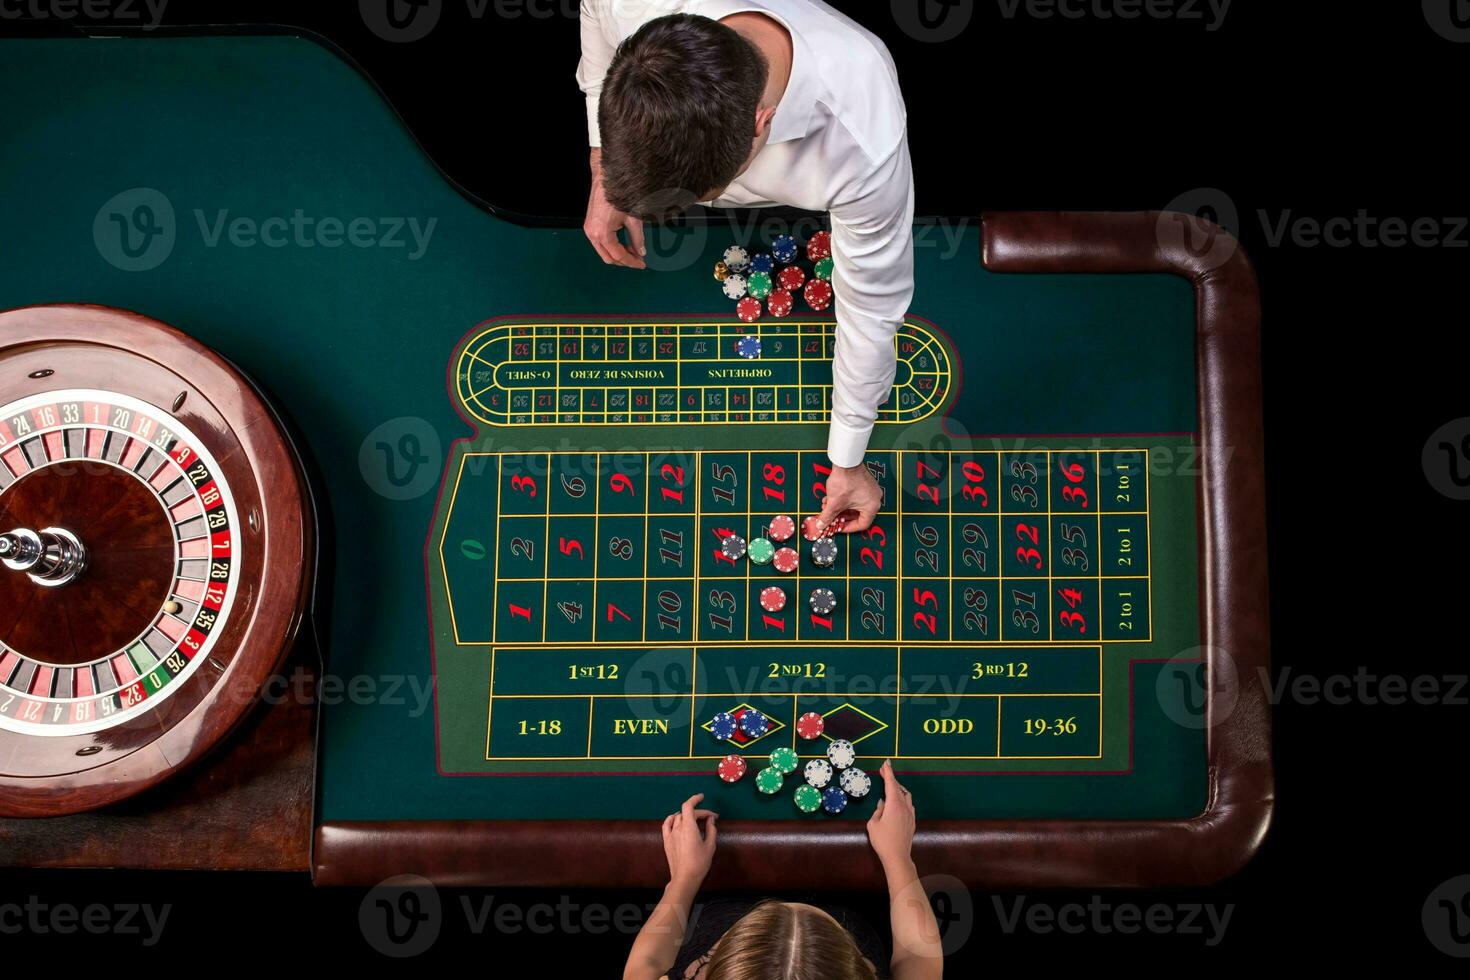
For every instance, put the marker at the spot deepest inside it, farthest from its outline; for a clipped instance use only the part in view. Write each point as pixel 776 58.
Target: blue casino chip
pixel 723 726
pixel 762 263
pixel 784 248
pixel 749 348
pixel 833 799
pixel 754 724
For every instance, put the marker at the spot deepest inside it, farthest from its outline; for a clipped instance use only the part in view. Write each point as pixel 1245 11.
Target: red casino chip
pixel 818 294
pixel 773 598
pixel 809 528
pixel 781 303
pixel 791 278
pixel 810 726
pixel 820 246
pixel 782 528
pixel 786 560
pixel 732 767
pixel 749 309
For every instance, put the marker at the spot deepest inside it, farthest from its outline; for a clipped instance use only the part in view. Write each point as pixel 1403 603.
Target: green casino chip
pixel 768 780
pixel 759 284
pixel 808 798
pixel 784 760
pixel 824 269
pixel 760 551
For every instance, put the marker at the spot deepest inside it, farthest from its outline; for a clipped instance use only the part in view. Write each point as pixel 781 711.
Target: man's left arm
pixel 873 278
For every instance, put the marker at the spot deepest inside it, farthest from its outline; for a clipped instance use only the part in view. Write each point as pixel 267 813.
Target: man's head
pixel 680 115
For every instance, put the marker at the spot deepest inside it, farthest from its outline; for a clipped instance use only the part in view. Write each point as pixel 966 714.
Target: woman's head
pixel 788 941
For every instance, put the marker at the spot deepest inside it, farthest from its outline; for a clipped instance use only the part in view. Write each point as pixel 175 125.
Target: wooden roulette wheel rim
pixel 190 503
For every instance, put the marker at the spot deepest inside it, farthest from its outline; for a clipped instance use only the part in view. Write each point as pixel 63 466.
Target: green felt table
pixel 529 460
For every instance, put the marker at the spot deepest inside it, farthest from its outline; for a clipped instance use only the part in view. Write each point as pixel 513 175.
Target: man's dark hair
pixel 677 114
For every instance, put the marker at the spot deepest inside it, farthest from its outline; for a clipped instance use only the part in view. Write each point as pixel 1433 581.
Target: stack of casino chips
pixel 816 791
pixel 774 279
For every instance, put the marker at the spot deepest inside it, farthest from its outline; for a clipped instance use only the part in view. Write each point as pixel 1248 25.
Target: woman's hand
pixel 891 827
pixel 689 850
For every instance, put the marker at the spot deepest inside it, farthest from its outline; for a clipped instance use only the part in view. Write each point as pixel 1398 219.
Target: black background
pixel 1282 112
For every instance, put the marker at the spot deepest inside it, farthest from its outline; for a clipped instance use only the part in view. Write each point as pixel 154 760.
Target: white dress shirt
pixel 838 144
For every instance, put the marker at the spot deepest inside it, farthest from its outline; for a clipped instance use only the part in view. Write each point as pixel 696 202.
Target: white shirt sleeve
pixel 597 54
pixel 873 278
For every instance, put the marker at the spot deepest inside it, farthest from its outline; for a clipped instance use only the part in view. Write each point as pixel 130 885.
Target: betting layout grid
pixel 982 530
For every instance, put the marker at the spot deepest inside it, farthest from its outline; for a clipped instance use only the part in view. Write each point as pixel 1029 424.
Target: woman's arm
pixel 689 852
pixel 917 950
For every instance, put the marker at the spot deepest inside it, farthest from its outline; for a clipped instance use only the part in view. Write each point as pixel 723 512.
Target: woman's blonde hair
pixel 786 941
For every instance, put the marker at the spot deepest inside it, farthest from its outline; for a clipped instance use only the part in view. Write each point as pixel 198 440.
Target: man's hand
pixel 891 827
pixel 689 852
pixel 603 222
pixel 853 496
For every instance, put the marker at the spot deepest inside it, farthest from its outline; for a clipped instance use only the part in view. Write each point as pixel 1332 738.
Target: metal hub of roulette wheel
pixel 155 554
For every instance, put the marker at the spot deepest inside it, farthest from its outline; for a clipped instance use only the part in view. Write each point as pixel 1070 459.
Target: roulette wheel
pixel 155 554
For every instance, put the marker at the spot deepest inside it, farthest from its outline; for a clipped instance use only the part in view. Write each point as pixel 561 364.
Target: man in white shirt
pixel 749 103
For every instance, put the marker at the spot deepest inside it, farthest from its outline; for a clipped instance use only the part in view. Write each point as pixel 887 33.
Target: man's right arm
pixel 597 55
pixel 603 221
